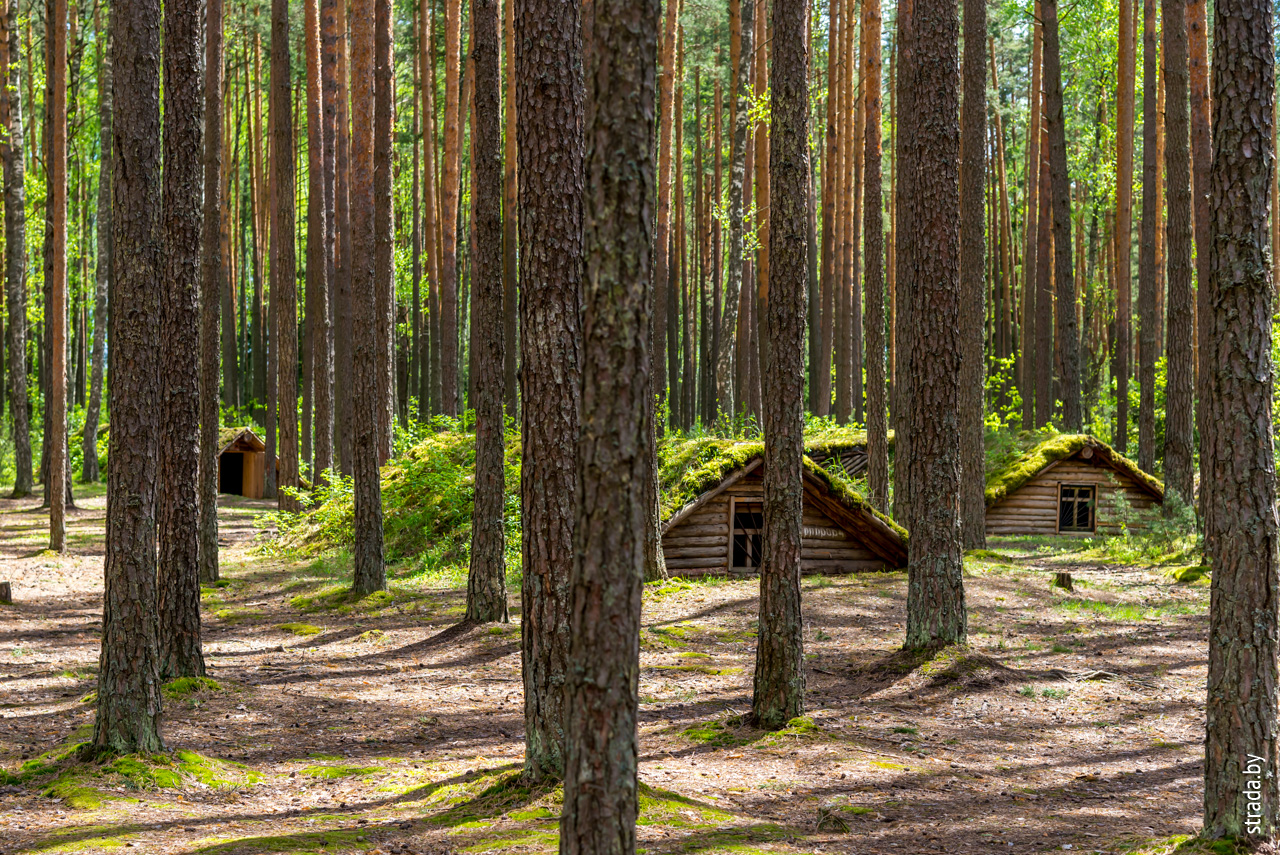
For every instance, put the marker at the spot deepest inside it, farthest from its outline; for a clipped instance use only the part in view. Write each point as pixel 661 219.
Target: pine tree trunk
pixel 128 708
pixel 973 261
pixel 613 510
pixel 384 225
pixel 213 271
pixel 662 233
pixel 1201 160
pixel 284 264
pixel 178 522
pixel 89 472
pixel 778 690
pixel 15 256
pixel 370 574
pixel 873 234
pixel 1044 284
pixel 449 212
pixel 335 97
pixel 1027 355
pixel 429 388
pixel 56 308
pixel 1060 188
pixel 318 254
pixel 730 399
pixel 903 265
pixel 935 589
pixel 1181 387
pixel 486 581
pixel 1148 273
pixel 510 218
pixel 820 384
pixel 550 93
pixel 1240 786
pixel 1123 234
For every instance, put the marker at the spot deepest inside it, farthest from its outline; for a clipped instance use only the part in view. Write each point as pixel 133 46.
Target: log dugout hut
pixel 242 460
pixel 721 531
pixel 1072 485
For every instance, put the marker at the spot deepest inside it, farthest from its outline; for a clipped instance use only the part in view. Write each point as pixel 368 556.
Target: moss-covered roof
pixel 843 490
pixel 688 467
pixel 1010 478
pixel 228 435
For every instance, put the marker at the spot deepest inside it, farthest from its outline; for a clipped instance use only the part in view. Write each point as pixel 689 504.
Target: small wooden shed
pixel 242 460
pixel 721 530
pixel 1068 485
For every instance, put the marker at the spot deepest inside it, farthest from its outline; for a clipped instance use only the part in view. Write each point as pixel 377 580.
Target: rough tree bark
pixel 56 308
pixel 1148 274
pixel 284 261
pixel 1060 188
pixel 662 233
pixel 1180 390
pixel 487 579
pixel 549 89
pixel 1201 159
pixel 1027 351
pixel 213 270
pixel 873 235
pixel 128 709
pixel 973 263
pixel 1240 792
pixel 935 589
pixel 510 216
pixel 178 521
pixel 370 572
pixel 90 471
pixel 778 689
pixel 15 255
pixel 613 510
pixel 449 212
pixel 384 224
pixel 727 396
pixel 1123 234
pixel 318 253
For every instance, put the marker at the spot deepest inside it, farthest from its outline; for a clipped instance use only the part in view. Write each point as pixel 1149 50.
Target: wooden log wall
pixel 699 544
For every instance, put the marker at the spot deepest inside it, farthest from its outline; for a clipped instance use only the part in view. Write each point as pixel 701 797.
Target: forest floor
pixel 1073 721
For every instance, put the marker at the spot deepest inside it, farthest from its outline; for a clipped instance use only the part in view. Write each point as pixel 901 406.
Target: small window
pixel 748 526
pixel 1076 508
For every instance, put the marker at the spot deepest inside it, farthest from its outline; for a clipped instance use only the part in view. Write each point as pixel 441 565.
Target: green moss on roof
pixel 688 467
pixel 1003 482
pixel 842 488
pixel 227 435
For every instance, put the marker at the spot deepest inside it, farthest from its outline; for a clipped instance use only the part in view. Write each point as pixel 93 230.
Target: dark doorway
pixel 231 472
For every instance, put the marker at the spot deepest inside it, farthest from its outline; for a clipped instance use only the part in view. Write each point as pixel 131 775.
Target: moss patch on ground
pixel 186 686
pixel 300 629
pixel 338 771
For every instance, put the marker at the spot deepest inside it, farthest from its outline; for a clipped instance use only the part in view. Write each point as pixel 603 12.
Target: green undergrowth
pixel 720 734
pixel 427 499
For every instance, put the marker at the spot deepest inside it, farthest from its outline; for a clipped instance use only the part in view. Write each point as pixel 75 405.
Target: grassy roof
pixel 1011 477
pixel 840 486
pixel 228 435
pixel 689 466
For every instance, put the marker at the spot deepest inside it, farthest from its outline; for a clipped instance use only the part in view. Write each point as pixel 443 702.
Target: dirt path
pixel 382 726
